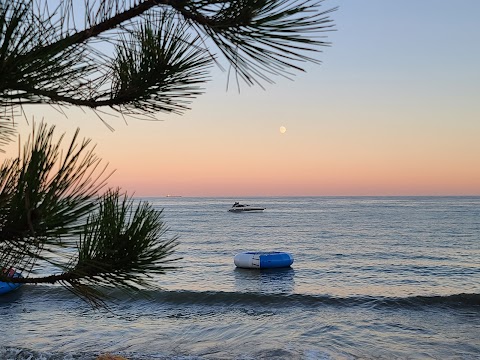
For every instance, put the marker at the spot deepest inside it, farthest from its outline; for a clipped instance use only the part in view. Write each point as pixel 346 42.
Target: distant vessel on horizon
pixel 174 195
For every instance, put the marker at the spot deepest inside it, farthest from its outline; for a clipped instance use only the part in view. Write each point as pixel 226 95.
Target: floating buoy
pixel 263 260
pixel 6 287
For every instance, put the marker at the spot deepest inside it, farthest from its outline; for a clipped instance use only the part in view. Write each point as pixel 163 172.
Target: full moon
pixel 283 129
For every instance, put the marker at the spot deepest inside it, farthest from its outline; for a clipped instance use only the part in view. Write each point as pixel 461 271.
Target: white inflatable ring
pixel 263 260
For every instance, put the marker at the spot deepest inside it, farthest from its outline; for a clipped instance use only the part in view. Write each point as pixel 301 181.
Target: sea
pixel 373 278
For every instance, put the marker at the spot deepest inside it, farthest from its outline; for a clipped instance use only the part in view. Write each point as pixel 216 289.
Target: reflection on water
pixel 265 280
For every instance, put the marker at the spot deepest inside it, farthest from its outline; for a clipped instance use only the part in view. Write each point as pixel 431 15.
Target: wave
pixel 303 300
pixel 257 299
pixel 10 352
pixel 223 298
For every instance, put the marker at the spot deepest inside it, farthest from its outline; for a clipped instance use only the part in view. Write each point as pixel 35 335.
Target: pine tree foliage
pixel 137 58
pixel 148 56
pixel 49 206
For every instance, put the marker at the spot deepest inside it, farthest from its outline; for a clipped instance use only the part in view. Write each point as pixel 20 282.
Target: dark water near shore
pixel 373 278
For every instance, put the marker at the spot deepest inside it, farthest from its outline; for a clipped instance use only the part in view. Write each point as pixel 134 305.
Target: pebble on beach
pixel 110 357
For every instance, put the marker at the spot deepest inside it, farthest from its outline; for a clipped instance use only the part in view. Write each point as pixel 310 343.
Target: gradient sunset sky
pixel 394 109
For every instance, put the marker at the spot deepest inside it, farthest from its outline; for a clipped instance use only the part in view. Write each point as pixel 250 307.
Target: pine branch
pixel 7 129
pixel 264 38
pixel 259 39
pixel 121 246
pixel 44 194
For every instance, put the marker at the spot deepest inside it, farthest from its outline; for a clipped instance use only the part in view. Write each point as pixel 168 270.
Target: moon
pixel 283 129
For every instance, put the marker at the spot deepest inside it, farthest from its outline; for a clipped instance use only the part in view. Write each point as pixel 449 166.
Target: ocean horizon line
pixel 302 196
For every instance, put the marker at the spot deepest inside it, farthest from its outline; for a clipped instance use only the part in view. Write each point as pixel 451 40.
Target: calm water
pixel 373 278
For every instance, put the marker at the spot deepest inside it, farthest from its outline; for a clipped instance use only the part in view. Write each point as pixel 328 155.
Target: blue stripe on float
pixel 275 260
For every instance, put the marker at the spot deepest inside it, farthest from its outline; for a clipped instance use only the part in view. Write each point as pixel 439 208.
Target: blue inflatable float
pixel 6 287
pixel 263 260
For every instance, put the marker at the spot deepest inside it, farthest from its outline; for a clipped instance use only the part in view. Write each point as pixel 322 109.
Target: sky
pixel 394 110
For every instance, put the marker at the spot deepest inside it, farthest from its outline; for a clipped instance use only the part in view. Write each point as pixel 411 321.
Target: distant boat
pixel 6 287
pixel 174 195
pixel 237 207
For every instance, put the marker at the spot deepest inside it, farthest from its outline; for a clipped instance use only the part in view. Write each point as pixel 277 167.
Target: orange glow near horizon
pixel 383 115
